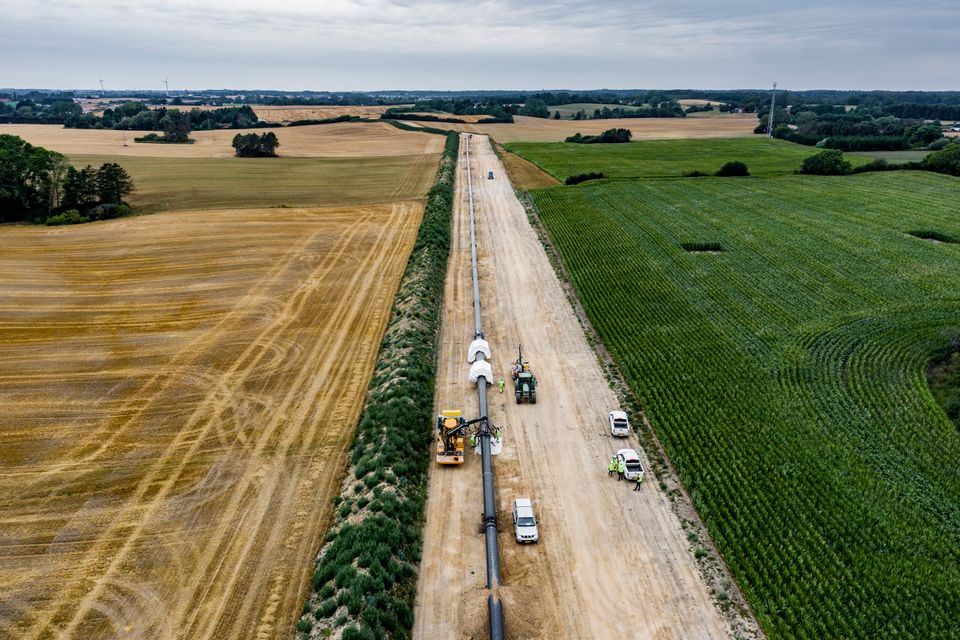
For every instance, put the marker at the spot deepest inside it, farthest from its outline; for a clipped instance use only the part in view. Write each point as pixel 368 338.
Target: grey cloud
pixel 361 44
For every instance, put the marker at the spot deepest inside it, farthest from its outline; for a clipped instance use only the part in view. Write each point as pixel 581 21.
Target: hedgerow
pixel 365 575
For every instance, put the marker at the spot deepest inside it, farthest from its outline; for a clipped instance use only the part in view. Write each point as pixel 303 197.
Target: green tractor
pixel 526 387
pixel 524 382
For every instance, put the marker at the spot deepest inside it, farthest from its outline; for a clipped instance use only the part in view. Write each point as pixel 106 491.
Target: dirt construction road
pixel 177 393
pixel 611 563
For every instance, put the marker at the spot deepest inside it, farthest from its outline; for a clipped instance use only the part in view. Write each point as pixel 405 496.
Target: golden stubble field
pixel 178 391
pixel 339 140
pixel 176 396
pixel 526 129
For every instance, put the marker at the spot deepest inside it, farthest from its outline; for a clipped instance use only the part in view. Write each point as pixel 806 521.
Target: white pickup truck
pixel 619 425
pixel 631 461
pixel 524 522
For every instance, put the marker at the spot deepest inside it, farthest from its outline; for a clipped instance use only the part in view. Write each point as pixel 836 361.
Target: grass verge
pixel 364 582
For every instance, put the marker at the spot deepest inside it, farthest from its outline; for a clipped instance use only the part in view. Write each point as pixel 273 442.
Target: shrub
pixel 694 174
pixel 251 145
pixel 583 177
pixel 945 161
pixel 607 137
pixel 326 609
pixel 733 169
pixel 304 625
pixel 826 163
pixel 72 216
pixel 938 144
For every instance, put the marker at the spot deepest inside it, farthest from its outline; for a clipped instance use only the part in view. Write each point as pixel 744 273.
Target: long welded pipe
pixel 494 605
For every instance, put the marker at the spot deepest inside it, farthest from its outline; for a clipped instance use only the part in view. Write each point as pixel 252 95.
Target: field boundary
pixel 714 571
pixel 366 572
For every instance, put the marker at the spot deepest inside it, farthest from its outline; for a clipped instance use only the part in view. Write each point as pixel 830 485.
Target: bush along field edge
pixel 719 580
pixel 364 579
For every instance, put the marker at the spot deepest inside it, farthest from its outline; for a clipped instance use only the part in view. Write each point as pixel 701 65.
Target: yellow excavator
pixel 451 428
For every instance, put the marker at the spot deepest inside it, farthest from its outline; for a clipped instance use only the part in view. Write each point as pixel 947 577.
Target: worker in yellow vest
pixel 636 487
pixel 621 469
pixel 612 467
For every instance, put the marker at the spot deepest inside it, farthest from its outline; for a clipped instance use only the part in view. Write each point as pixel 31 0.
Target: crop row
pixel 785 378
pixel 365 577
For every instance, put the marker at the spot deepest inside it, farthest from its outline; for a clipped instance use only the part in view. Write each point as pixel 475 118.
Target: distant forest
pixel 846 120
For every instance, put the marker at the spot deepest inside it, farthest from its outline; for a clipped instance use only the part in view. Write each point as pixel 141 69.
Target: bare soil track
pixel 177 393
pixel 611 563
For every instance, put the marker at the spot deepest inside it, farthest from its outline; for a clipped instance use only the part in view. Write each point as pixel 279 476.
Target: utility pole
pixel 773 104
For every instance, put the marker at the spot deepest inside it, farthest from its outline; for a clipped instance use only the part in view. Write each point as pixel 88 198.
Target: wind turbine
pixel 773 102
pixel 101 86
pixel 166 83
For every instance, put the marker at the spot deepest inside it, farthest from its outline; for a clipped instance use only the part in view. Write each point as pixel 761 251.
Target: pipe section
pixel 494 605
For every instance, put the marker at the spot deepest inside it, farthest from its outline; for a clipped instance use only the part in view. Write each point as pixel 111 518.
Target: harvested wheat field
pixel 472 118
pixel 338 140
pixel 177 393
pixel 526 129
pixel 171 184
pixel 270 113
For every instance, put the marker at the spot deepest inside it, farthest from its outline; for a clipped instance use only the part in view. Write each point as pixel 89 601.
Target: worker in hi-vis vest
pixel 639 480
pixel 500 385
pixel 621 469
pixel 612 467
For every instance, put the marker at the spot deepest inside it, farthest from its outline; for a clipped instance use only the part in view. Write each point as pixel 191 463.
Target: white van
pixel 619 425
pixel 632 462
pixel 524 522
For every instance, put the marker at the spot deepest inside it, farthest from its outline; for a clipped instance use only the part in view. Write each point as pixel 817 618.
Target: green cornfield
pixel 785 377
pixel 668 158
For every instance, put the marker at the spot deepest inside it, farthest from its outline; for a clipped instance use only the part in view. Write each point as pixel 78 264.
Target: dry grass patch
pixel 170 184
pixel 523 173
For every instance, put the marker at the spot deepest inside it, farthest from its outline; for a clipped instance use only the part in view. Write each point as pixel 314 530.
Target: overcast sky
pixel 344 45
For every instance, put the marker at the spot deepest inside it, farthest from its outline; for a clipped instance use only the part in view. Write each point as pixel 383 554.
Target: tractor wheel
pixel 519 397
pixel 533 397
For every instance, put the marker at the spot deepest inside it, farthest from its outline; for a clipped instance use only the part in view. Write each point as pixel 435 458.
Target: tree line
pixel 38 185
pixel 832 163
pixel 138 116
pixel 667 109
pixel 860 129
pixel 38 109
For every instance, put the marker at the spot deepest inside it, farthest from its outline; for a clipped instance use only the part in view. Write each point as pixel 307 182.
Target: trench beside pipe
pixel 494 605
